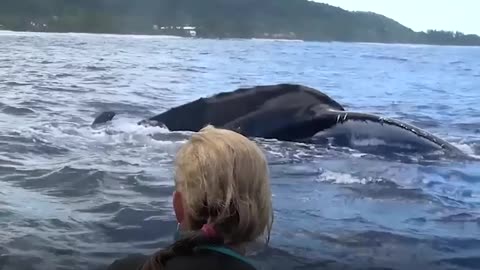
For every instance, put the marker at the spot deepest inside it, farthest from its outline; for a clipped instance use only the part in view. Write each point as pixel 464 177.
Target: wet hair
pixel 183 247
pixel 224 179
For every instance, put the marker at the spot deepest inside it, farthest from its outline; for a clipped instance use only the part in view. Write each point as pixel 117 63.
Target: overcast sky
pixel 420 15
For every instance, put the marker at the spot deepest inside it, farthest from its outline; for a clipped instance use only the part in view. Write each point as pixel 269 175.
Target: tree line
pixel 295 19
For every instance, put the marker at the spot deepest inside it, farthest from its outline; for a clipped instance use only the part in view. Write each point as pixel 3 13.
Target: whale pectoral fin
pixel 364 126
pixel 103 118
pixel 356 129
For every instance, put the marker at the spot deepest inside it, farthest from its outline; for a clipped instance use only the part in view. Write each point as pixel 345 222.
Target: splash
pixel 346 178
pixel 467 149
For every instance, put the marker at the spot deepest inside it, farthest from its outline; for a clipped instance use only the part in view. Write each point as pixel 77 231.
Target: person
pixel 222 203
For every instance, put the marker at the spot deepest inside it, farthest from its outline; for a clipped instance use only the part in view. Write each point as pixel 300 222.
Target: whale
pixel 298 113
pixel 103 118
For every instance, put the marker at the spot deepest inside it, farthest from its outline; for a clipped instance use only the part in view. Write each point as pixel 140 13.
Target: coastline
pixel 267 39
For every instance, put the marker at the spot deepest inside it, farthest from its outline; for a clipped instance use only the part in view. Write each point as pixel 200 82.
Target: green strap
pixel 228 252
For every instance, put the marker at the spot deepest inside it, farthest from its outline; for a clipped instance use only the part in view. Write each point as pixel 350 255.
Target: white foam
pixel 127 131
pixel 467 149
pixel 276 153
pixel 299 154
pixel 358 155
pixel 128 126
pixel 123 142
pixel 345 178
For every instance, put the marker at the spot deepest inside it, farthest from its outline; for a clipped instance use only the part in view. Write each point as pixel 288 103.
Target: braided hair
pixel 184 247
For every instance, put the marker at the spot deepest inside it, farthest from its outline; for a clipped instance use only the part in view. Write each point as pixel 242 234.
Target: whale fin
pixel 358 129
pixel 103 118
pixel 364 126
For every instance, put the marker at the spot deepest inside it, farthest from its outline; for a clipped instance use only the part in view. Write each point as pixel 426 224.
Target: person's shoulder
pixel 131 262
pixel 207 260
pixel 202 259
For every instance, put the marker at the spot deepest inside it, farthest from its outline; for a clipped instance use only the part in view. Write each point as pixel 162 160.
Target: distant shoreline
pixel 235 38
pixel 304 20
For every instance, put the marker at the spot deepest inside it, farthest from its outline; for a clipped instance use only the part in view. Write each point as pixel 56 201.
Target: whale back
pixel 223 108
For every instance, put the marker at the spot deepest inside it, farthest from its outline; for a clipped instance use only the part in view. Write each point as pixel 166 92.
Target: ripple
pixel 461 217
pixel 77 197
pixel 107 208
pixel 39 104
pixel 17 110
pixel 80 182
pixel 96 68
pixel 62 89
pixel 25 261
pixel 379 192
pixel 20 145
pixel 385 57
pixel 17 84
pixel 140 229
pixel 63 75
pixel 466 262
pixel 120 107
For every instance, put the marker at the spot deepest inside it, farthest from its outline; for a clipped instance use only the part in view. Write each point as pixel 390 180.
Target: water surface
pixel 74 197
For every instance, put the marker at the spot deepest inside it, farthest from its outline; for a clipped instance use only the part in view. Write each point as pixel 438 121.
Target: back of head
pixel 225 181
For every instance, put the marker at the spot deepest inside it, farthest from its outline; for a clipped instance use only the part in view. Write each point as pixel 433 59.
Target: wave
pixel 64 75
pixel 63 89
pixel 79 197
pixel 460 218
pixel 470 262
pixel 12 110
pixel 345 178
pixel 17 83
pixel 97 68
pixel 384 57
pixel 371 249
pixel 119 107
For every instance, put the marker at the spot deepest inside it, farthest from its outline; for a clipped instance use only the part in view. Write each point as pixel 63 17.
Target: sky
pixel 421 15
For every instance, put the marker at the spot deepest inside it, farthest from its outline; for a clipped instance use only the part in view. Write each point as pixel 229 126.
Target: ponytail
pixel 184 247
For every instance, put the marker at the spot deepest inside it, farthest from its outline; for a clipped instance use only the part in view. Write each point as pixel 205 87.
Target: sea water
pixel 73 197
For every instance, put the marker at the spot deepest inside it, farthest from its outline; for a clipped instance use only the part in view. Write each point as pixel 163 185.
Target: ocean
pixel 74 197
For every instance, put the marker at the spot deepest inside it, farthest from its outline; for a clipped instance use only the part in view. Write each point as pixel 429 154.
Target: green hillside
pixel 292 19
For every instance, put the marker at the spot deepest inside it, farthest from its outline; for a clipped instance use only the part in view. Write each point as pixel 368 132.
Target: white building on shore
pixel 183 30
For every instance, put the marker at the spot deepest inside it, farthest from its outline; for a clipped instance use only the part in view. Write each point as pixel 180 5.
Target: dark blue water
pixel 77 198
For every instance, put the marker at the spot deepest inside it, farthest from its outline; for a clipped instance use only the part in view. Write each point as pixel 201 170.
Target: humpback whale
pixel 104 117
pixel 292 112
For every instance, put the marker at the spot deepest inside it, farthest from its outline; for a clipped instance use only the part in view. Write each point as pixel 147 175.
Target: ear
pixel 178 206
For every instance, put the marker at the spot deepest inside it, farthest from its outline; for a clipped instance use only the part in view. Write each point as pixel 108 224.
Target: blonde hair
pixel 225 181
